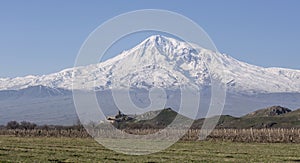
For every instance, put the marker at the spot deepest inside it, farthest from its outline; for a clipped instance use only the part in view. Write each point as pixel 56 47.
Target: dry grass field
pixel 66 149
pixel 234 135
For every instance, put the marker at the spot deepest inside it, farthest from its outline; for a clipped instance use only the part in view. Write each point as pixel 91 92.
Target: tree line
pixel 25 125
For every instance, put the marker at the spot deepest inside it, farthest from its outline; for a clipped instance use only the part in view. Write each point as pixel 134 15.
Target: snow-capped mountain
pixel 165 62
pixel 158 61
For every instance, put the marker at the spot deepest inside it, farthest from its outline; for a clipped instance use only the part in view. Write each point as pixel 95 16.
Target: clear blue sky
pixel 41 37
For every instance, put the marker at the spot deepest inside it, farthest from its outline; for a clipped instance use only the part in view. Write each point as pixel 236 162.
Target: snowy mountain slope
pixel 33 92
pixel 165 62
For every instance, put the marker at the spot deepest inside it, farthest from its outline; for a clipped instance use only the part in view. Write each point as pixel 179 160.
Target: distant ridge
pixel 271 117
pixel 268 112
pixel 38 91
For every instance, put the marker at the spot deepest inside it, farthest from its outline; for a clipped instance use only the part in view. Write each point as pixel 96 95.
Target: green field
pixel 17 149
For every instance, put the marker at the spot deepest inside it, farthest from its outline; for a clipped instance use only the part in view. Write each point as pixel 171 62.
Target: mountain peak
pixel 155 37
pixel 158 38
pixel 161 41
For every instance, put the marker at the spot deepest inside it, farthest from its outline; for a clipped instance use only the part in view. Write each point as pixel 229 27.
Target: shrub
pixel 27 125
pixel 12 125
